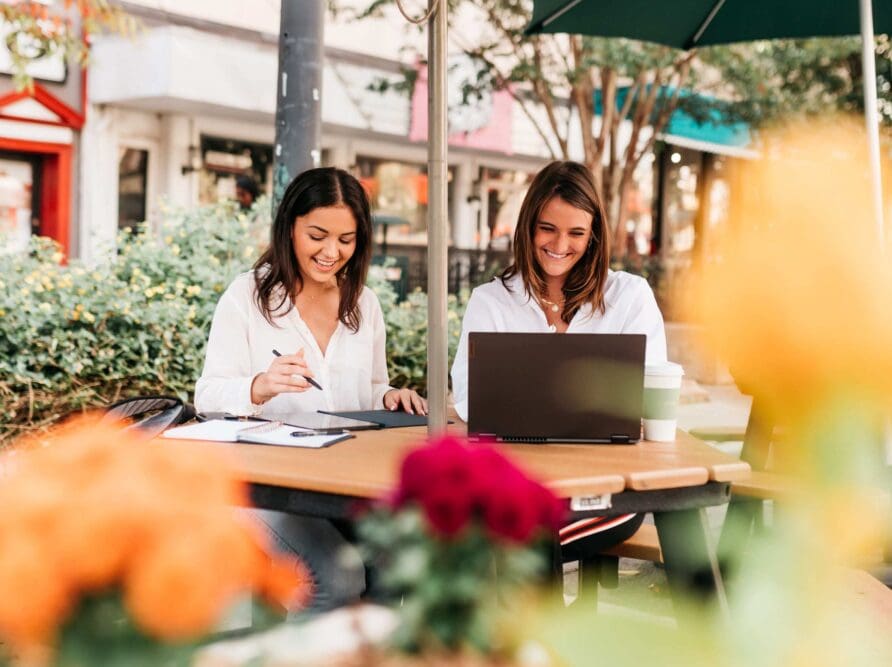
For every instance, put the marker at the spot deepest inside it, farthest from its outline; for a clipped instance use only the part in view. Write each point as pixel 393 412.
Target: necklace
pixel 553 306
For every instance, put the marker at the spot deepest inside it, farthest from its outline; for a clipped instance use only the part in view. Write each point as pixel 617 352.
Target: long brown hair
pixel 277 268
pixel 585 283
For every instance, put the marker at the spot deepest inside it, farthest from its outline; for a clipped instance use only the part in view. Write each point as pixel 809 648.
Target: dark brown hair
pixel 277 268
pixel 585 283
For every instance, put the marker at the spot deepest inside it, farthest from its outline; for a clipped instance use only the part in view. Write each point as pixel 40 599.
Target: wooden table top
pixel 367 465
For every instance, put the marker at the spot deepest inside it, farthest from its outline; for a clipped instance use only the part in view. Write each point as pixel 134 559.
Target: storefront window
pixel 18 202
pixel 398 195
pixel 225 159
pixel 681 203
pixel 133 167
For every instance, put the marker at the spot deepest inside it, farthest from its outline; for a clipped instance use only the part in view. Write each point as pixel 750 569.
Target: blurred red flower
pixel 454 482
pixel 448 509
pixel 512 511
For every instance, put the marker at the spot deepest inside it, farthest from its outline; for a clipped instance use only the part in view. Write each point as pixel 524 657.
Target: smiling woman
pixel 307 298
pixel 559 282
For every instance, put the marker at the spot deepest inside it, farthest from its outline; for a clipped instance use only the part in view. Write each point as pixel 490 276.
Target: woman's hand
pixel 406 399
pixel 287 373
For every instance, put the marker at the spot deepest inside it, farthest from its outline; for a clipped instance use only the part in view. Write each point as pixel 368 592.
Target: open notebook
pixel 264 433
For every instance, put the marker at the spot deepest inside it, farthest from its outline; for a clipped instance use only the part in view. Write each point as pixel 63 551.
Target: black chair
pixel 149 415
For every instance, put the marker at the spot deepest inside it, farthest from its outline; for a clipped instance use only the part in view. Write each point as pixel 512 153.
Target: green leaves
pixel 101 633
pixel 36 30
pixel 406 324
pixel 76 336
pixel 451 591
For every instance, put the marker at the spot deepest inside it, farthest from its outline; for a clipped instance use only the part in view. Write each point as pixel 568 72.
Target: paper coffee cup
pixel 662 386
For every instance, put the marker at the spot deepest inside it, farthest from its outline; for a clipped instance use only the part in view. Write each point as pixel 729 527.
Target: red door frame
pixel 55 170
pixel 55 193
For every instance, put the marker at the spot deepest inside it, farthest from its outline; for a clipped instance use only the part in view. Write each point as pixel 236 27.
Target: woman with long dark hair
pixel 560 282
pixel 306 299
pixel 299 333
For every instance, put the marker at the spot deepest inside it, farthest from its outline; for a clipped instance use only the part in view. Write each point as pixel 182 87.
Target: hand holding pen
pixel 307 374
pixel 286 373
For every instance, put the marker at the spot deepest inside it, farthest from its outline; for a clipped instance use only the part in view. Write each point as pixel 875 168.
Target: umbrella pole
pixel 871 116
pixel 437 378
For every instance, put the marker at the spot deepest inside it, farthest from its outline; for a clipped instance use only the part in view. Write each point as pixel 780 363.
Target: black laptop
pixel 545 387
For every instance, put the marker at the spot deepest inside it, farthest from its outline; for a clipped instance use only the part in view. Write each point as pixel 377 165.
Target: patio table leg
pixel 691 564
pixel 743 516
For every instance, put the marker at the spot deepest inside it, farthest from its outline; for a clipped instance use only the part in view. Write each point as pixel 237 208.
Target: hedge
pixel 74 336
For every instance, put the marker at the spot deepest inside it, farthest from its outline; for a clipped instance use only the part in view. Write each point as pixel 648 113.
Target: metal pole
pixel 871 115
pixel 437 342
pixel 298 100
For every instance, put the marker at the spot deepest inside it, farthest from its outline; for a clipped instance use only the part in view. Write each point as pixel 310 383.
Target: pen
pixel 304 434
pixel 310 380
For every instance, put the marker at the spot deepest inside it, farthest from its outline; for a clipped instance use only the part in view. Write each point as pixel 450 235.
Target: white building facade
pixel 178 111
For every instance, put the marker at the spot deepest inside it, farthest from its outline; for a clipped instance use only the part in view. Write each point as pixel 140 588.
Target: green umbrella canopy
pixel 685 24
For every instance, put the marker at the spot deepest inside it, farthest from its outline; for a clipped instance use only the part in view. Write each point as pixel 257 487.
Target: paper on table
pixel 221 430
pixel 264 433
pixel 282 435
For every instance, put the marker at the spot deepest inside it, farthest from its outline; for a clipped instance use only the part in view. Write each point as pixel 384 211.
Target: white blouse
pixel 352 372
pixel 630 307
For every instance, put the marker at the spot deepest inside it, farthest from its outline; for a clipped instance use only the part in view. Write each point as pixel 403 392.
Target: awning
pixel 717 134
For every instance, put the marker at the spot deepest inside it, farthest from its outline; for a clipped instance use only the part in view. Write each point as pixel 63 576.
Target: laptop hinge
pixel 617 438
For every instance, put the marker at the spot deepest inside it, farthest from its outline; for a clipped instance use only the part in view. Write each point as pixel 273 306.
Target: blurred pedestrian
pixel 246 191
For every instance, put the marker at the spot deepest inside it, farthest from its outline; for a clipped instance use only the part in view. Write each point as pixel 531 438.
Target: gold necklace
pixel 554 306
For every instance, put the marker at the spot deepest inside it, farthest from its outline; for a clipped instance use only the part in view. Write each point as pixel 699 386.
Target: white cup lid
pixel 665 369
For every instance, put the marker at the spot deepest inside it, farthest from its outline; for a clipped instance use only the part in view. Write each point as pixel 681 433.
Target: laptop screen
pixel 561 388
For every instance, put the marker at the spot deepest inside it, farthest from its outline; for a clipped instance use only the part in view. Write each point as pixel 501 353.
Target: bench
pixel 765 485
pixel 643 545
pixel 719 433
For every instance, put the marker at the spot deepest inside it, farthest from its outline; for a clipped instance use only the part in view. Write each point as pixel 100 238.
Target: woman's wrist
pixel 258 396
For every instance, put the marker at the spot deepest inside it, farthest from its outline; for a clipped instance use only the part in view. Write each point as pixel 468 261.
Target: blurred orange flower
pixel 799 301
pixel 94 508
pixel 34 598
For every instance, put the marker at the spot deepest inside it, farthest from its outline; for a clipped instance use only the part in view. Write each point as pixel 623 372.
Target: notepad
pixel 219 430
pixel 264 433
pixel 288 436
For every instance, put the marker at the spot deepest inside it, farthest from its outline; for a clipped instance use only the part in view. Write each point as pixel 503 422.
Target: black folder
pixel 386 418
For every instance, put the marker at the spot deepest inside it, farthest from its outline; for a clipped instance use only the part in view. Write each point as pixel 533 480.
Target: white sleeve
pixel 645 317
pixel 478 317
pixel 380 378
pixel 225 382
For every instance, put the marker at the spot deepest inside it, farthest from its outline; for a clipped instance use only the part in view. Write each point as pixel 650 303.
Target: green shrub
pixel 74 337
pixel 406 324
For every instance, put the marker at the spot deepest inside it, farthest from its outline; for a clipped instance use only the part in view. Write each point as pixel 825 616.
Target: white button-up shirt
pixel 352 372
pixel 630 307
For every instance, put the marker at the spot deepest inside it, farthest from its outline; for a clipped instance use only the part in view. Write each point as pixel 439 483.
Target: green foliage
pixel 101 633
pixel 74 336
pixel 451 592
pixel 406 324
pixel 778 80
